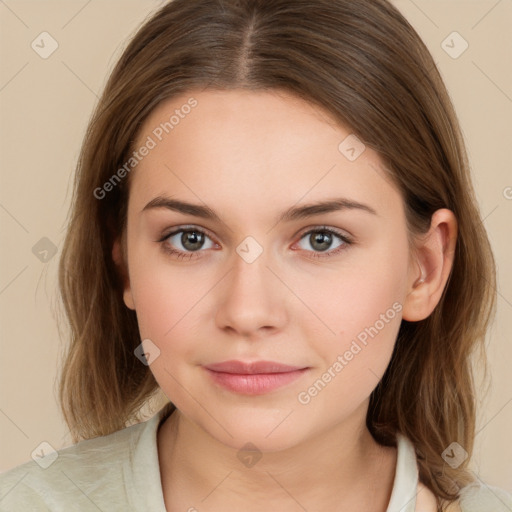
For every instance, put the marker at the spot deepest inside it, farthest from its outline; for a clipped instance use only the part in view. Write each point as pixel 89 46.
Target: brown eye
pixel 192 240
pixel 324 240
pixel 186 241
pixel 320 241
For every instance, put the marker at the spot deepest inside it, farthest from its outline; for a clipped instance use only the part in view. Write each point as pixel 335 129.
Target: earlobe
pixel 117 256
pixel 431 266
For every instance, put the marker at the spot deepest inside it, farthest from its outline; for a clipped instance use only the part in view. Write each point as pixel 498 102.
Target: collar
pixel 145 488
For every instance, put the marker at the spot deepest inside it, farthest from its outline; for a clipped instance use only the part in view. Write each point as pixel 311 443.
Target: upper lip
pixel 240 367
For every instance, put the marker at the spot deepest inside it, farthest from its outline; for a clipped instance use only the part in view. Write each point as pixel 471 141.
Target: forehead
pixel 240 123
pixel 244 145
pixel 228 105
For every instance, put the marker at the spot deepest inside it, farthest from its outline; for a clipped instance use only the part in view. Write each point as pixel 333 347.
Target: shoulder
pixel 72 478
pixel 473 498
pixel 480 497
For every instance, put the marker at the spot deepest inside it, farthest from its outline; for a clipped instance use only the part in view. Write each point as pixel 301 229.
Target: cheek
pixel 163 293
pixel 365 317
pixel 362 295
pixel 361 305
pixel 167 309
pixel 172 310
pixel 374 306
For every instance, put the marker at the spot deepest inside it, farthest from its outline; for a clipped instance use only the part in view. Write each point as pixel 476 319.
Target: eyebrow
pixel 291 214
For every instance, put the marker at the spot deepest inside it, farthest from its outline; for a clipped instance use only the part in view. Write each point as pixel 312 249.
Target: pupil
pixel 192 238
pixel 322 238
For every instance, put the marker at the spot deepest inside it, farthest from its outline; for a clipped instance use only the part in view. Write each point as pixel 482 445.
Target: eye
pixel 184 242
pixel 321 240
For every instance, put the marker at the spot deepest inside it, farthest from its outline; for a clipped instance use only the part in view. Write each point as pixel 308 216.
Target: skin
pixel 249 156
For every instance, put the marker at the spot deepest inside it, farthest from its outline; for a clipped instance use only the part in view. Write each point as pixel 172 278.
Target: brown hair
pixel 365 65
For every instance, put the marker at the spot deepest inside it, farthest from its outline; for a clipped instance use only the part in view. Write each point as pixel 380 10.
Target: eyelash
pixel 347 241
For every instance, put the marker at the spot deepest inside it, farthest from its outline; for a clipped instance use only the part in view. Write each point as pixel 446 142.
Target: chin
pixel 261 429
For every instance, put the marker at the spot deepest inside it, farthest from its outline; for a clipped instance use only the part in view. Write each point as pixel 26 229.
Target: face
pixel 254 272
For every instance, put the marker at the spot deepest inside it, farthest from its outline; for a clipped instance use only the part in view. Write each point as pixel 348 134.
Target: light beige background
pixel 44 107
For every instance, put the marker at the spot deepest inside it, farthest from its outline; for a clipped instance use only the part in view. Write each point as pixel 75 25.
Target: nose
pixel 252 299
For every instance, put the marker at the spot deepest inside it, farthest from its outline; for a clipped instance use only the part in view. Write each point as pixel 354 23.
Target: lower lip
pixel 254 384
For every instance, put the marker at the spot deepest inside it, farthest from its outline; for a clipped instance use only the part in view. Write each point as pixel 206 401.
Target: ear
pixel 430 266
pixel 119 259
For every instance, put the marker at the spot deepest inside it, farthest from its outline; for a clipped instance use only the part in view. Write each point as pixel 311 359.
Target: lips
pixel 254 378
pixel 241 368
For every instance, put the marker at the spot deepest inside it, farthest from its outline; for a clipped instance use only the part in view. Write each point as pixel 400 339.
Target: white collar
pixel 405 485
pixel 145 468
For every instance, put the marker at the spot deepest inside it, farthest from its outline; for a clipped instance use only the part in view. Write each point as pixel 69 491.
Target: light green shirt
pixel 120 472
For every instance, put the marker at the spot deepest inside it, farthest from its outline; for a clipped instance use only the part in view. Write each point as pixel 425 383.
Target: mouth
pixel 255 378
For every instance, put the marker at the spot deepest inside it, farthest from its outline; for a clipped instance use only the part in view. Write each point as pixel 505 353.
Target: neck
pixel 340 469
